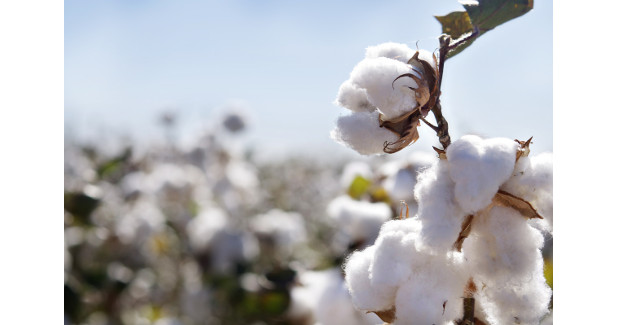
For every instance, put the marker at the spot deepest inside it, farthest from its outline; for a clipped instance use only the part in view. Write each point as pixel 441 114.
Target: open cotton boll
pixel 286 228
pixel 478 167
pixel 431 296
pixel 533 181
pixel 354 98
pixel 503 253
pixel 354 169
pixel 391 50
pixel 396 253
pixel 334 306
pixel 438 210
pixel 359 220
pixel 361 132
pixel 365 295
pixel 204 226
pixel 143 219
pixel 377 76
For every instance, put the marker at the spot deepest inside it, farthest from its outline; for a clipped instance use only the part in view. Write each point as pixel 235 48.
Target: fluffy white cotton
pixel 503 253
pixel 438 210
pixel 362 132
pixel 413 266
pixel 353 170
pixel 358 220
pixel 286 228
pixel 478 167
pixel 354 98
pixel 391 50
pixel 143 219
pixel 366 295
pixel 202 229
pixel 399 52
pixel 323 297
pixel 396 253
pixel 532 180
pixel 377 76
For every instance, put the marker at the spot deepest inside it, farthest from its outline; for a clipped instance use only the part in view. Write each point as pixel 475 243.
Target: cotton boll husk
pixel 362 133
pixel 359 220
pixel 421 300
pixel 353 170
pixel 532 180
pixel 391 50
pixel 354 98
pixel 478 167
pixel 377 76
pixel 365 295
pixel 438 211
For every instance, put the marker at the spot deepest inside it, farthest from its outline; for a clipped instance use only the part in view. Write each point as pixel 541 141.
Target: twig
pixel 435 128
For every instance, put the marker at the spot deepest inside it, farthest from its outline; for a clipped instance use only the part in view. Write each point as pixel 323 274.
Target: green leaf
pixel 455 24
pixel 485 15
pixel 358 187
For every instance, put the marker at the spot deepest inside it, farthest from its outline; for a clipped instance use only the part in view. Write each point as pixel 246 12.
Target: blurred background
pixel 200 182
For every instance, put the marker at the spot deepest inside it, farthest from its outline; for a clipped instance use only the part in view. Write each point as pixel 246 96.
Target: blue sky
pixel 127 61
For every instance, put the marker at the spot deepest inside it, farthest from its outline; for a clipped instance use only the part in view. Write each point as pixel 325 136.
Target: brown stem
pixel 443 136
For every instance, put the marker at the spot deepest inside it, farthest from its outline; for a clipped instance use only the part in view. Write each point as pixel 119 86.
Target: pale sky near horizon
pixel 128 61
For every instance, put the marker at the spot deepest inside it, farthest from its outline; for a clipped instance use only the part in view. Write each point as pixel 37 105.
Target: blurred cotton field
pixel 205 233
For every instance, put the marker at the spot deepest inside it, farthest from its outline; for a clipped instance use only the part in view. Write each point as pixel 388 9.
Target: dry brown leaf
pixel 426 94
pixel 466 227
pixel 386 315
pixel 522 206
pixel 524 148
pixel 441 153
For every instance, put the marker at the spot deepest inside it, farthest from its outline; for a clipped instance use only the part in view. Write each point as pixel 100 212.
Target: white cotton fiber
pixel 365 295
pixel 377 76
pixel 354 98
pixel 359 220
pixel 361 132
pixel 202 229
pixel 533 181
pixel 391 50
pixel 438 210
pixel 478 167
pixel 285 228
pixel 353 170
pixel 503 253
pixel 395 253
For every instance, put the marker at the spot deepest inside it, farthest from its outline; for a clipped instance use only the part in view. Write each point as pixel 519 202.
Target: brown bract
pixel 426 94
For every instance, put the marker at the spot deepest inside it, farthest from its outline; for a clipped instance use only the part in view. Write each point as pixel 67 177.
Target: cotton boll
pixel 361 132
pixel 533 181
pixel 478 167
pixel 503 253
pixel 353 170
pixel 286 228
pixel 365 295
pixel 335 307
pixel 391 50
pixel 202 229
pixel 354 98
pixel 422 299
pixel 438 210
pixel 143 219
pixel 359 220
pixel 377 76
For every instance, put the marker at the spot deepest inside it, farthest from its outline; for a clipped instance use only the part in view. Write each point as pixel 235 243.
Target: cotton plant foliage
pixel 414 273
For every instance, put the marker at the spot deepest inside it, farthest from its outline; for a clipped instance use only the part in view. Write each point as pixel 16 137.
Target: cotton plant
pixel 471 254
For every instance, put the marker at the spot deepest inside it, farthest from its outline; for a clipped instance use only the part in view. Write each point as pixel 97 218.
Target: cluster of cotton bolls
pixel 415 273
pixel 371 197
pixel 372 91
pixel 190 234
